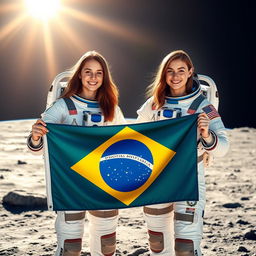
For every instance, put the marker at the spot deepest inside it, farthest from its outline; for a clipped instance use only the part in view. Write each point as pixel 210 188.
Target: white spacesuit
pixel 69 225
pixel 188 216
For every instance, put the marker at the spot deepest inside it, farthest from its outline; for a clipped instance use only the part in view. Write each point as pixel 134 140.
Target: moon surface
pixel 27 228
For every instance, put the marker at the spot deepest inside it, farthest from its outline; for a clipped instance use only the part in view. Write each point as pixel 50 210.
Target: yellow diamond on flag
pixel 157 157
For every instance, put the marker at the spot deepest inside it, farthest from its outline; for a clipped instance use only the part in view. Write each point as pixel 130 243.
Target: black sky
pixel 218 35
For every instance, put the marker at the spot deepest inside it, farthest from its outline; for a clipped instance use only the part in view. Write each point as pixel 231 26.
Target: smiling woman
pixel 43 9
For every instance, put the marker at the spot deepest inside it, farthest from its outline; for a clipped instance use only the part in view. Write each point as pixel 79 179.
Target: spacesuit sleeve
pixel 220 145
pixel 145 112
pixel 54 114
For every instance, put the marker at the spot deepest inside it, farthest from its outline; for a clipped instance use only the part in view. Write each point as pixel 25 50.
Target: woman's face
pixel 176 77
pixel 92 78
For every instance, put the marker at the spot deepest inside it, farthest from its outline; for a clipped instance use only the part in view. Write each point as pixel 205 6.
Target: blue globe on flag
pixel 126 165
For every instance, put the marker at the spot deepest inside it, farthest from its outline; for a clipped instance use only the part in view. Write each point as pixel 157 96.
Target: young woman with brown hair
pixel 175 92
pixel 90 98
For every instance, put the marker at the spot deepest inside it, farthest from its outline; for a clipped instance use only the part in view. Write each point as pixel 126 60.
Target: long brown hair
pixel 159 89
pixel 107 94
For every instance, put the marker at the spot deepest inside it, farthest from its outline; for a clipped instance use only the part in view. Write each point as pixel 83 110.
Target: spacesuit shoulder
pixel 56 112
pixel 145 111
pixel 118 117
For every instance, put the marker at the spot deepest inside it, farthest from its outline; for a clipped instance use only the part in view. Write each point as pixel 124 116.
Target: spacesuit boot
pixel 70 228
pixel 159 219
pixel 102 232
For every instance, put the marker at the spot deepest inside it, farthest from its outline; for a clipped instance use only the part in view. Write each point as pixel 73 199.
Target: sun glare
pixel 42 9
pixel 55 16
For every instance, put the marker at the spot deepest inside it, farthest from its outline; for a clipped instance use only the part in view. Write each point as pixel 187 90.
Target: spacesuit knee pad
pixel 102 232
pixel 187 247
pixel 72 247
pixel 70 228
pixel 108 244
pixel 184 247
pixel 156 241
pixel 159 222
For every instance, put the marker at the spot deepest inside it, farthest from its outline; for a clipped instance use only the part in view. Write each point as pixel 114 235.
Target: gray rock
pixel 232 205
pixel 23 199
pixel 242 222
pixel 5 170
pixel 138 252
pixel 9 251
pixel 251 235
pixel 242 249
pixel 21 162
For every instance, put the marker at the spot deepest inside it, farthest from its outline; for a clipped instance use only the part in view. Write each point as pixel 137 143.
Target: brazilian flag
pixel 120 166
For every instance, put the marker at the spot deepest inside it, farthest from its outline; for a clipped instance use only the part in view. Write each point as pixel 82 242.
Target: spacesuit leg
pixel 159 219
pixel 102 232
pixel 188 223
pixel 70 228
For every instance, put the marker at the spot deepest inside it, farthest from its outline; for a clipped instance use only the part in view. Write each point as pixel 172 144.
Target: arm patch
pixel 211 112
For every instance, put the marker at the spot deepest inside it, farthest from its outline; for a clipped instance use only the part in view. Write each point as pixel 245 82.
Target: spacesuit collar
pixel 88 103
pixel 195 92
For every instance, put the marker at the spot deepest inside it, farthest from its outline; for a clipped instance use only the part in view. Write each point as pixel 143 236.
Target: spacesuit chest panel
pixel 92 118
pixel 86 115
pixel 169 111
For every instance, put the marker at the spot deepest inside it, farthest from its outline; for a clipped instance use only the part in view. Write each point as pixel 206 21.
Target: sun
pixel 53 20
pixel 43 10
